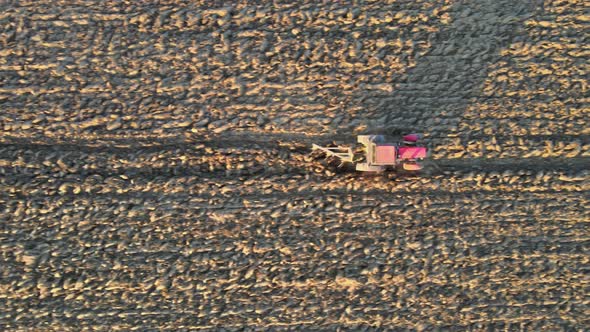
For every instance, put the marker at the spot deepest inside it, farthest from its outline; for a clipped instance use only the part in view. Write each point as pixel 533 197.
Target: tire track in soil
pixel 294 165
pixel 273 197
pixel 244 138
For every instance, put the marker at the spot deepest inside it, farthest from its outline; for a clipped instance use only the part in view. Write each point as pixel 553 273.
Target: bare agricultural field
pixel 155 168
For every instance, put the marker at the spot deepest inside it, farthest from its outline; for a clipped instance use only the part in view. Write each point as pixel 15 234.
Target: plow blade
pixel 341 153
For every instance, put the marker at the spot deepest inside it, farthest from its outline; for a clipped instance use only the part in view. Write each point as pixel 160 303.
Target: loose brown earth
pixel 155 168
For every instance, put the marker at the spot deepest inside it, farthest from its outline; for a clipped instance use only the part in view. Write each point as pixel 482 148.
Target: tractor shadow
pixel 447 79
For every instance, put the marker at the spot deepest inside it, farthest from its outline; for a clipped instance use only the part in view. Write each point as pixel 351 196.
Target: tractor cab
pixel 381 155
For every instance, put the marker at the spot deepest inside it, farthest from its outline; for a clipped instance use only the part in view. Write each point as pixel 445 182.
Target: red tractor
pixel 380 155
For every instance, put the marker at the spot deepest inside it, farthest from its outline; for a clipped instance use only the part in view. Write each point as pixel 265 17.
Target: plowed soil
pixel 155 167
